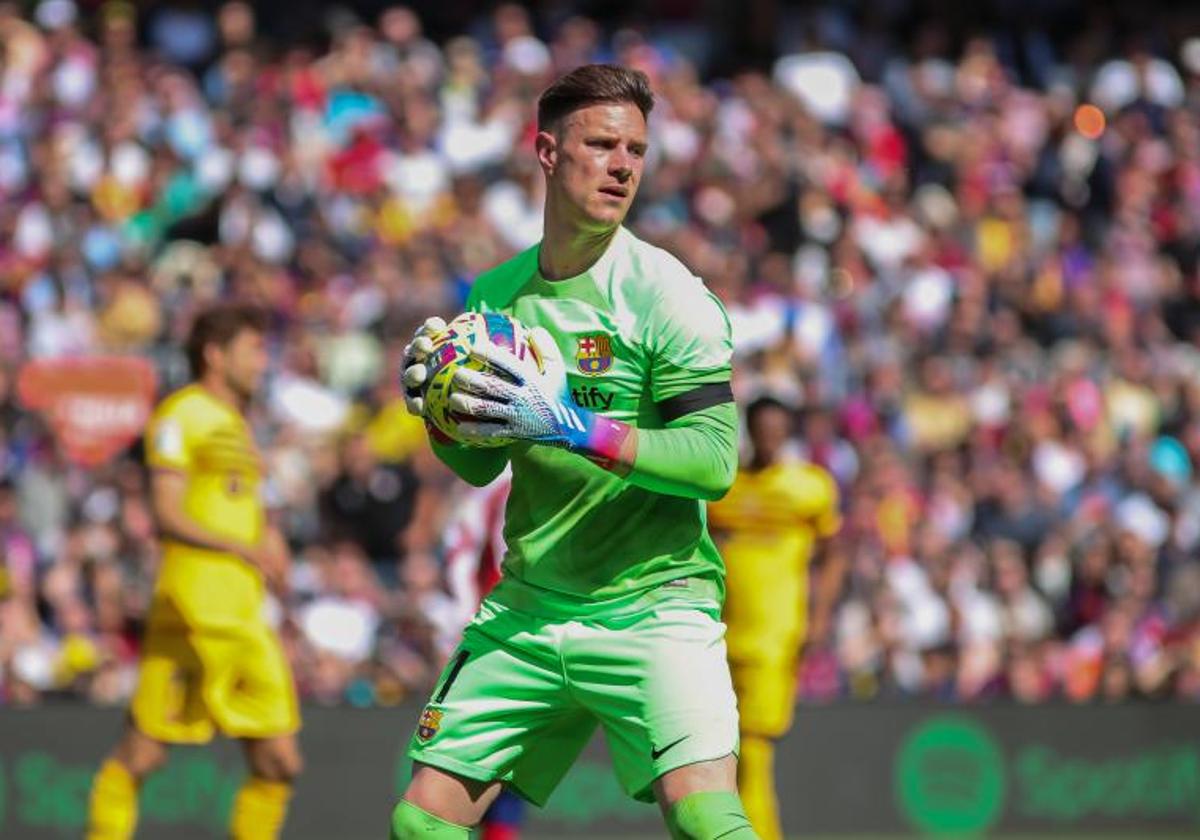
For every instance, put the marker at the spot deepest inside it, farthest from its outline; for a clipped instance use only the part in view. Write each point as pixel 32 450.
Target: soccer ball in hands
pixel 452 350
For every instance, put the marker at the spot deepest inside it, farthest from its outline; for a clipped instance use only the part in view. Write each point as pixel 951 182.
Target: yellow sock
pixel 259 810
pixel 756 782
pixel 112 806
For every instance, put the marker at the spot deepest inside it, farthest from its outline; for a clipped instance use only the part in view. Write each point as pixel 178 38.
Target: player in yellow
pixel 210 661
pixel 769 527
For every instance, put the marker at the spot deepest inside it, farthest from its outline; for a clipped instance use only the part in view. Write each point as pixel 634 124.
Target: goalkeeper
pixel 608 612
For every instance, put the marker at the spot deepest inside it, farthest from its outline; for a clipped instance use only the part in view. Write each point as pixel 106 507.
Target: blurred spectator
pixel 371 503
pixel 974 267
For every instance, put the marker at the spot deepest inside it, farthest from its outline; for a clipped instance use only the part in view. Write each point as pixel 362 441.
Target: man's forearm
pixel 474 465
pixel 831 574
pixel 178 526
pixel 695 457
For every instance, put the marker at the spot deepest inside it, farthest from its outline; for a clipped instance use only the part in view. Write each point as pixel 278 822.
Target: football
pixel 452 350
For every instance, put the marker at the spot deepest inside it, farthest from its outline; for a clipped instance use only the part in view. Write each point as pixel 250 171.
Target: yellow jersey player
pixel 768 528
pixel 210 661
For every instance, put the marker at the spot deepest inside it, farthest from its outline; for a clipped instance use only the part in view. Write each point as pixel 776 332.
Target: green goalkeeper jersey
pixel 646 343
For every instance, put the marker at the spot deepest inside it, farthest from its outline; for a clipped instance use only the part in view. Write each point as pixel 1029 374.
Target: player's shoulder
pixel 813 479
pixel 662 295
pixel 179 401
pixel 670 305
pixel 496 287
pixel 189 406
pixel 174 426
pixel 653 273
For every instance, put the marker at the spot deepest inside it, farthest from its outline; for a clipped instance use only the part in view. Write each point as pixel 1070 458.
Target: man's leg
pixel 441 806
pixel 766 702
pixel 165 709
pixel 112 804
pixel 700 802
pixel 250 694
pixel 261 804
pixel 756 781
pixel 500 713
pixel 659 683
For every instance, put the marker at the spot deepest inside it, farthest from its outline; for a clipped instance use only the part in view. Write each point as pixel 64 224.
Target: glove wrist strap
pixel 600 439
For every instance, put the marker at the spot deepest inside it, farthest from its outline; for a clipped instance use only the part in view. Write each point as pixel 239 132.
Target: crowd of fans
pixel 970 264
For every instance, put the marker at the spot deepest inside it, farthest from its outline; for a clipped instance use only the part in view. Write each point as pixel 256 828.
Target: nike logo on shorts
pixel 656 754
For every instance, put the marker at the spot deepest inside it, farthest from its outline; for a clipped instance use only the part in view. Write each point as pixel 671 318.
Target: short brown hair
pixel 220 325
pixel 593 84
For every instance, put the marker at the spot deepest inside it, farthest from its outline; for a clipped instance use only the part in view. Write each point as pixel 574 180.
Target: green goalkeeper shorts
pixel 523 694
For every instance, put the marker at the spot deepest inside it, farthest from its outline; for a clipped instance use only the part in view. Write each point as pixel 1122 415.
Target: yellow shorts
pixel 766 693
pixel 193 683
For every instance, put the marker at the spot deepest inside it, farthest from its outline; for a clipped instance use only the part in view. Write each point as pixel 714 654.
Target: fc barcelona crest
pixel 593 354
pixel 429 724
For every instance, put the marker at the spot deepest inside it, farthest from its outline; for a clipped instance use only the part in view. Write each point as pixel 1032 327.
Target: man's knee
pixel 140 754
pixel 709 815
pixel 715 775
pixel 277 760
pixel 700 802
pixel 410 822
pixel 288 766
pixel 454 799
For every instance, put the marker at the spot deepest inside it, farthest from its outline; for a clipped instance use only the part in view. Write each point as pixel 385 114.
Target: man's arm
pixel 695 456
pixel 691 348
pixel 831 565
pixel 477 466
pixel 688 339
pixel 167 491
pixel 830 562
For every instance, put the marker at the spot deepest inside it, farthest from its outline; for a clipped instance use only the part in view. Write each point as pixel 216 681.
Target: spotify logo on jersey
pixel 949 777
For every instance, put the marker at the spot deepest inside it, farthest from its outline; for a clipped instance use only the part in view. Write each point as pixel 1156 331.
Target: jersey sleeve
pixel 473 465
pixel 691 346
pixel 169 439
pixel 725 512
pixel 694 457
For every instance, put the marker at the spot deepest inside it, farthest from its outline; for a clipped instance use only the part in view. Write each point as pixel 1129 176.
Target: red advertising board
pixel 96 405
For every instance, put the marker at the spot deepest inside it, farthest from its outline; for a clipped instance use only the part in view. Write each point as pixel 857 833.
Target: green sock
pixel 715 815
pixel 412 823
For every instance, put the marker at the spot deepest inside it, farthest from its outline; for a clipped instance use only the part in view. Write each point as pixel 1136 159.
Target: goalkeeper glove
pixel 414 371
pixel 526 401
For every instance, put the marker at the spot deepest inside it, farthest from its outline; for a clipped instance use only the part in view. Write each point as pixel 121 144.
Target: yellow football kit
pixel 767 526
pixel 210 661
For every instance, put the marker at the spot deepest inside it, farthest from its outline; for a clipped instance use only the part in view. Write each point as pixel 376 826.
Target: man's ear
pixel 213 353
pixel 546 146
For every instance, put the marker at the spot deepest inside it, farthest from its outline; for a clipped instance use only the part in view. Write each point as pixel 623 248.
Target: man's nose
pixel 621 165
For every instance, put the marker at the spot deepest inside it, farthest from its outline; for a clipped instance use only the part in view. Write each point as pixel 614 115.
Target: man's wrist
pixel 607 443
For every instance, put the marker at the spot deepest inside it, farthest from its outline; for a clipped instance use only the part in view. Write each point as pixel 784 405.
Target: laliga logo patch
pixel 593 354
pixel 430 723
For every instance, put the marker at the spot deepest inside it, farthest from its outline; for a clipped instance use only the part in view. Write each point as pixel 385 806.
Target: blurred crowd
pixel 969 263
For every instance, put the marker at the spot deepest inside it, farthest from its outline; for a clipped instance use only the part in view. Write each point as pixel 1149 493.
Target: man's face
pixel 593 162
pixel 243 362
pixel 769 433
